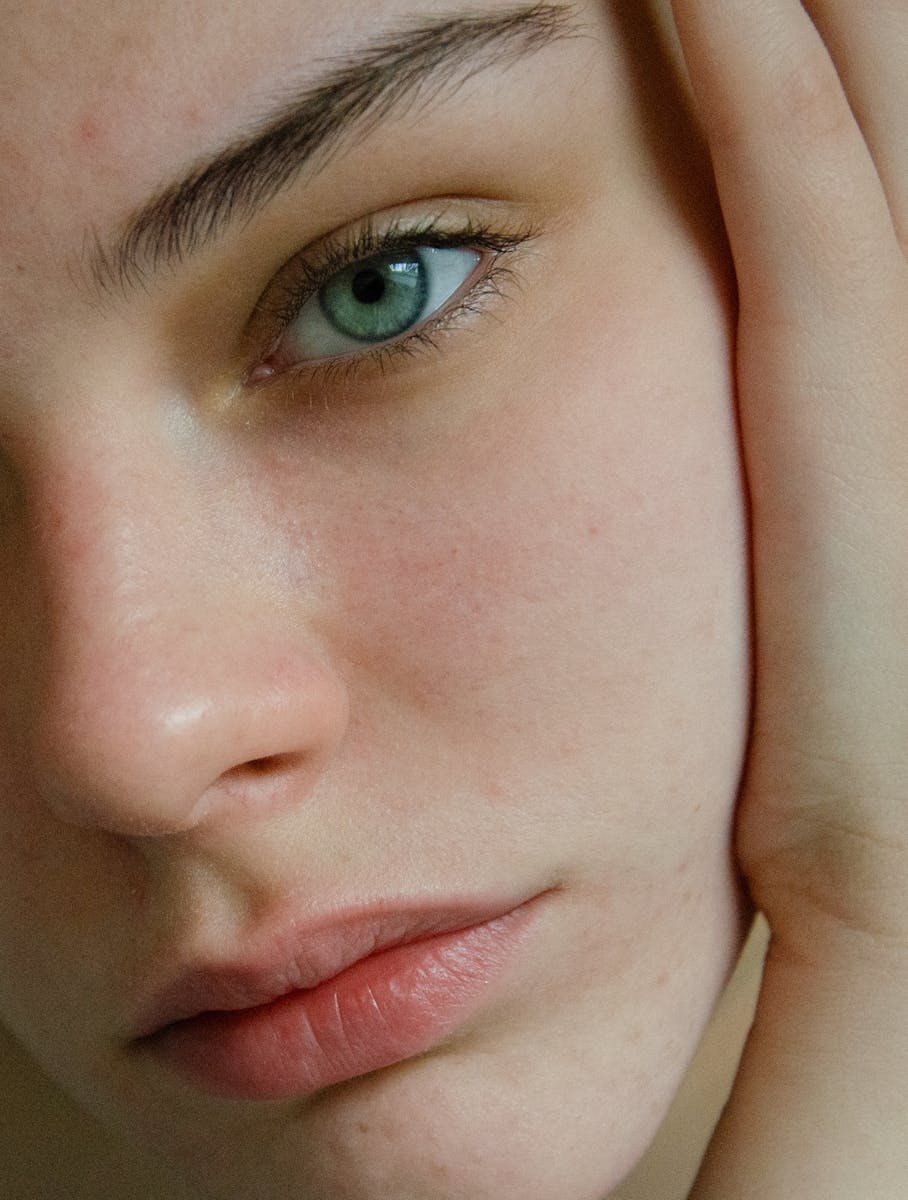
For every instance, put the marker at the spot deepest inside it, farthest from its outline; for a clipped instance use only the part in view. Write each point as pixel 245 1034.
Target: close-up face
pixel 373 587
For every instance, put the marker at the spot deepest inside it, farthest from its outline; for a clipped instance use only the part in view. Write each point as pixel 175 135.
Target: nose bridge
pixel 104 526
pixel 166 691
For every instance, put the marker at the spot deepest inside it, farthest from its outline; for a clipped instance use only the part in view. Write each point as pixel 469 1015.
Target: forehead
pixel 103 101
pixel 102 104
pixel 126 61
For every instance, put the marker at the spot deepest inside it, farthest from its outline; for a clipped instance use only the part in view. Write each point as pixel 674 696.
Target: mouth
pixel 314 1006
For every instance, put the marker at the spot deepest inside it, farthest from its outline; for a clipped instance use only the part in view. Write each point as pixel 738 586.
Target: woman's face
pixel 312 634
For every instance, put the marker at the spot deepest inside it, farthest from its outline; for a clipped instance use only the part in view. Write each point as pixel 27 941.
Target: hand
pixel 806 111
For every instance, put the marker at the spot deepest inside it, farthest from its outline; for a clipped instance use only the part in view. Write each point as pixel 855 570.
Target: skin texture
pixel 802 105
pixel 478 624
pixel 802 109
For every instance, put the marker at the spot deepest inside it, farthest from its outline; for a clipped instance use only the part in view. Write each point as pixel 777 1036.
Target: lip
pixel 315 1004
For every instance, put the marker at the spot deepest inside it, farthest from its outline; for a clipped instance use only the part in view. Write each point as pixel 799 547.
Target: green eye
pixel 377 300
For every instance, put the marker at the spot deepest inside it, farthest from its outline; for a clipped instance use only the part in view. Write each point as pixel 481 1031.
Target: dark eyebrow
pixel 417 63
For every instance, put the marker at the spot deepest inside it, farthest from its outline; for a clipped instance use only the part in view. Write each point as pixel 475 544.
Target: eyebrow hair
pixel 418 63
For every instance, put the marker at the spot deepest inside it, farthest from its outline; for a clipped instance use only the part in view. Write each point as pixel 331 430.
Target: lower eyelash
pixel 334 373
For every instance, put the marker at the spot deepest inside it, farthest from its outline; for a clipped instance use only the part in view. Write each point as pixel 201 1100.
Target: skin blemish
pixel 89 131
pixel 193 117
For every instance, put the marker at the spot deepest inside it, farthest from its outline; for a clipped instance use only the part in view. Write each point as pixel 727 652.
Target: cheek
pixel 572 558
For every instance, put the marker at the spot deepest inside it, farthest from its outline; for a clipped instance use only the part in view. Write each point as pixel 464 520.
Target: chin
pixel 555 1097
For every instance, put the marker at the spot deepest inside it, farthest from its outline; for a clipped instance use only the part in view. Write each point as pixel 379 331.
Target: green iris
pixel 378 299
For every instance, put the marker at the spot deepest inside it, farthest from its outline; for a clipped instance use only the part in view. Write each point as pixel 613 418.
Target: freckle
pixel 363 1127
pixel 439 1170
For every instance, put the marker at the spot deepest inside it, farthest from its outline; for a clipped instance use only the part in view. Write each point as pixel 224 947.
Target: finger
pixel 803 200
pixel 823 377
pixel 821 277
pixel 869 43
pixel 817 1110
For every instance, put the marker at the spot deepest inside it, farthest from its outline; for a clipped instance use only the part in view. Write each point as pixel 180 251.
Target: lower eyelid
pixel 326 375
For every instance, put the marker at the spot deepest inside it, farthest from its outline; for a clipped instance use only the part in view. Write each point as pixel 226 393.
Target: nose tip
pixel 141 756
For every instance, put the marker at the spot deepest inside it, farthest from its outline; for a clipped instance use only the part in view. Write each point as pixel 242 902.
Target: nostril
pixel 269 778
pixel 258 766
pixel 266 784
pixel 269 764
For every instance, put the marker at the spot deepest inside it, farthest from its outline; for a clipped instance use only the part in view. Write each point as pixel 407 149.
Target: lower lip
pixel 382 1010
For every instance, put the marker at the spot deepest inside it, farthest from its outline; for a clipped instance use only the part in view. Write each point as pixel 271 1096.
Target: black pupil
pixel 368 286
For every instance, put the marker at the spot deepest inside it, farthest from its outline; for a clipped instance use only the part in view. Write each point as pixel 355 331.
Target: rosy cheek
pixel 514 563
pixel 567 510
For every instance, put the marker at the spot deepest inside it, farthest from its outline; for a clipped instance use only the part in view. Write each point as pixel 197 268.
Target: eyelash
pixel 308 275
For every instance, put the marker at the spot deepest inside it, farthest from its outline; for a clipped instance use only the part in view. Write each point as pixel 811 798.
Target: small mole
pixel 363 1127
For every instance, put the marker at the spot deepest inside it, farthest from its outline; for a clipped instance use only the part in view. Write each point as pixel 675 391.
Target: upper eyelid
pixel 305 271
pixel 316 263
pixel 318 260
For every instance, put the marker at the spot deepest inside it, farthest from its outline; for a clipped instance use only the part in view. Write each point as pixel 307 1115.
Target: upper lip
pixel 288 955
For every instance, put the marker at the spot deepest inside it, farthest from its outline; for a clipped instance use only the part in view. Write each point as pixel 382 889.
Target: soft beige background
pixel 670 1167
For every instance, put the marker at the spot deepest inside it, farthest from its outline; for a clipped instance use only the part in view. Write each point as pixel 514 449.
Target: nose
pixel 169 681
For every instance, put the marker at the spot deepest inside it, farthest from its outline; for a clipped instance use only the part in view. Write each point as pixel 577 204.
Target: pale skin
pixel 198 578
pixel 812 164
